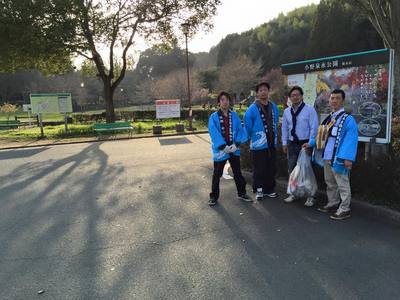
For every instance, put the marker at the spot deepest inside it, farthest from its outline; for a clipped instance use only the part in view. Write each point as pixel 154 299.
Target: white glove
pixel 227 149
pixel 232 148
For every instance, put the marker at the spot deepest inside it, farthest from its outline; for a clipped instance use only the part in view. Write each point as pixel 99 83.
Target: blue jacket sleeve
pixel 348 148
pixel 240 131
pixel 249 120
pixel 313 124
pixel 312 142
pixel 215 132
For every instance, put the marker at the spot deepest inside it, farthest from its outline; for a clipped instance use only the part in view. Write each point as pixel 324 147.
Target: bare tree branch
pixel 124 54
pixel 83 54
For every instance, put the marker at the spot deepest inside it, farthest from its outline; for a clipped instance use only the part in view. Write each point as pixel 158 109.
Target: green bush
pixel 395 146
pixel 139 128
pixel 383 189
pixel 366 185
pixel 74 131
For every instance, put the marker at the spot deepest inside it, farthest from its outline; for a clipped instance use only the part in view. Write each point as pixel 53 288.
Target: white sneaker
pixel 271 195
pixel 259 194
pixel 309 202
pixel 289 199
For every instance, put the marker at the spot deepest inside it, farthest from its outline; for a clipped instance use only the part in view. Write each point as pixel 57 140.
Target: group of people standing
pixel 333 145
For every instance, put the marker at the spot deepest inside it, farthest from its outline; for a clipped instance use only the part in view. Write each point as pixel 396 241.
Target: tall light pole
pixel 185 29
pixel 81 95
pixel 122 97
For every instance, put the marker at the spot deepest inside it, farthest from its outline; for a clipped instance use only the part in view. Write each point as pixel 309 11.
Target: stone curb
pixel 91 140
pixel 378 212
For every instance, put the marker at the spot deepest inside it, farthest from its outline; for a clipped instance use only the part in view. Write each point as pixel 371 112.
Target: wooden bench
pixel 9 124
pixel 113 128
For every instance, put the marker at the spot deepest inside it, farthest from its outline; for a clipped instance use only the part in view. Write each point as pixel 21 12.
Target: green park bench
pixel 9 124
pixel 113 128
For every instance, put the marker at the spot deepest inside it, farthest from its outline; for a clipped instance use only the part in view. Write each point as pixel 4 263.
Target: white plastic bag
pixel 302 182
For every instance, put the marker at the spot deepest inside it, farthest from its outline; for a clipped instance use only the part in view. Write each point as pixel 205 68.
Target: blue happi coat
pixel 255 127
pixel 218 142
pixel 346 149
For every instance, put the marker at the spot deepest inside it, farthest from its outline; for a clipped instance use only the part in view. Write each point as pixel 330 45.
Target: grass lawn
pixel 46 117
pixel 58 132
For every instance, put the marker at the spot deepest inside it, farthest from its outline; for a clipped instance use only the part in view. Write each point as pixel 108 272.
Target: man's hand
pixel 233 148
pixel 306 146
pixel 227 149
pixel 348 164
pixel 284 149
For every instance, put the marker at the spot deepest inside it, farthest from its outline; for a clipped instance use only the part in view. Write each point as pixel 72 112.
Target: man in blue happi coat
pixel 227 133
pixel 261 123
pixel 336 144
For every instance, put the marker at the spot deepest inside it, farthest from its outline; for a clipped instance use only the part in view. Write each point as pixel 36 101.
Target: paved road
pixel 130 220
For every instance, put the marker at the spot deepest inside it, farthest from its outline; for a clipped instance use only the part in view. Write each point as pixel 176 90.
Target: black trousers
pixel 264 169
pixel 240 182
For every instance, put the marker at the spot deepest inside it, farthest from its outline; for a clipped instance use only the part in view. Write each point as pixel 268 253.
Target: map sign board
pixel 365 77
pixel 51 103
pixel 168 109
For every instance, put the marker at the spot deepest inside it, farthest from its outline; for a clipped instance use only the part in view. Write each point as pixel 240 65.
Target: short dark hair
pixel 264 83
pixel 227 95
pixel 339 91
pixel 296 88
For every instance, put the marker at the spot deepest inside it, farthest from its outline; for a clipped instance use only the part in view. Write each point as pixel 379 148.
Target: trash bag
pixel 302 182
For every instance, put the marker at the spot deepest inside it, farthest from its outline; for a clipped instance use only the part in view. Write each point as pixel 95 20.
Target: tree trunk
pixel 108 97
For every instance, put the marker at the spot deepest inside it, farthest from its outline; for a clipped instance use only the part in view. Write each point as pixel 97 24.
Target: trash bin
pixel 157 129
pixel 180 127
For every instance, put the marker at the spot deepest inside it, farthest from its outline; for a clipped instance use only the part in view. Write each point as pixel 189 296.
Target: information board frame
pixel 166 109
pixel 367 79
pixel 51 103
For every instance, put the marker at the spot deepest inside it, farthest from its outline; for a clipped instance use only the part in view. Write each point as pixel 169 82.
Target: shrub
pixel 8 109
pixel 366 185
pixel 139 129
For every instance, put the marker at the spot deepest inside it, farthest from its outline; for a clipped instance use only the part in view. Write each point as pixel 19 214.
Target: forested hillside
pixel 234 65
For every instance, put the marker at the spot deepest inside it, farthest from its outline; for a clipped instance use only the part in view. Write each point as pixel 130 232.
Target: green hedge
pixel 198 114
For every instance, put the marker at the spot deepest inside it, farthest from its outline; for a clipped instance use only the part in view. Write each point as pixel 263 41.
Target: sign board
pixel 51 103
pixel 26 107
pixel 168 109
pixel 365 77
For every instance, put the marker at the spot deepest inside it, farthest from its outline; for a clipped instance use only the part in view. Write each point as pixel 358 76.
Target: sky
pixel 233 16
pixel 236 16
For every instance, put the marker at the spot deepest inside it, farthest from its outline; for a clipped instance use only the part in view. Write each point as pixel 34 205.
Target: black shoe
pixel 212 201
pixel 245 198
pixel 327 209
pixel 340 215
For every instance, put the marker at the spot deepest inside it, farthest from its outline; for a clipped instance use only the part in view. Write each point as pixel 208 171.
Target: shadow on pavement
pixel 20 153
pixel 174 141
pixel 56 221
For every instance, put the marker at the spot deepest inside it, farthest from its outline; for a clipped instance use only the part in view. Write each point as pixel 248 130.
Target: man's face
pixel 224 102
pixel 263 92
pixel 336 102
pixel 296 97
